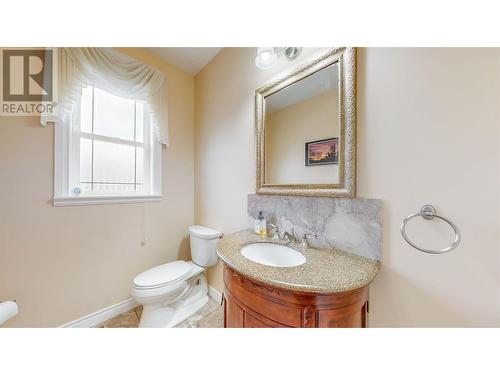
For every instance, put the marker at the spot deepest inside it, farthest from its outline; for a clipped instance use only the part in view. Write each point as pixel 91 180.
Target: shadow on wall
pixel 397 302
pixel 184 252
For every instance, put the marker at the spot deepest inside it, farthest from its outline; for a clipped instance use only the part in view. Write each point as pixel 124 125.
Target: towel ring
pixel 428 212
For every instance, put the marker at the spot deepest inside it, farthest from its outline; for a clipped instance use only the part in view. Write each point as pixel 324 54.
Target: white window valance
pixel 114 72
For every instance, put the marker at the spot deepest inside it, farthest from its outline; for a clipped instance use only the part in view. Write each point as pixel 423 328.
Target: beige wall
pixel 63 263
pixel 224 145
pixel 286 133
pixel 428 133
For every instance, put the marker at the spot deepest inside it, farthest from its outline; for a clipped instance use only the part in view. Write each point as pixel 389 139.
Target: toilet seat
pixel 173 287
pixel 163 275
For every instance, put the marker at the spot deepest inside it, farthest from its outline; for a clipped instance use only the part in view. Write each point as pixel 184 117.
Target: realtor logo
pixel 27 85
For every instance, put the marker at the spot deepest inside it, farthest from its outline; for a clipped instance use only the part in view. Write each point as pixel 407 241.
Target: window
pixel 107 152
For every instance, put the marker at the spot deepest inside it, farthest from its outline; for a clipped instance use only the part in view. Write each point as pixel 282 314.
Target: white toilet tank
pixel 203 241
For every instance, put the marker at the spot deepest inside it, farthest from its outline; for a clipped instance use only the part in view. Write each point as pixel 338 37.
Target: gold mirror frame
pixel 346 188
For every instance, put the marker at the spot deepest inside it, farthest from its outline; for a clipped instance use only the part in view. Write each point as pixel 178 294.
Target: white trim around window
pixel 67 167
pixel 104 199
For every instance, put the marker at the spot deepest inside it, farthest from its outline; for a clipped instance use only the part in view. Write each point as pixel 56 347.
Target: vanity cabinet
pixel 252 304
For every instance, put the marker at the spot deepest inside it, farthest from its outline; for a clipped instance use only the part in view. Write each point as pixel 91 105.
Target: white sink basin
pixel 274 255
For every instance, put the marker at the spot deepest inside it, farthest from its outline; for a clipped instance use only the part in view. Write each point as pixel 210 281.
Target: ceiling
pixel 190 60
pixel 326 79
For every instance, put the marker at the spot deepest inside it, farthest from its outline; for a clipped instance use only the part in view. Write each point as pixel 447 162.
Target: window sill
pixel 95 200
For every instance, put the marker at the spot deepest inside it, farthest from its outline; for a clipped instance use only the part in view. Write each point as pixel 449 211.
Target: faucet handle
pixel 310 233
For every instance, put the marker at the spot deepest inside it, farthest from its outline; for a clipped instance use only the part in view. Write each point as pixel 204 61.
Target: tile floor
pixel 210 316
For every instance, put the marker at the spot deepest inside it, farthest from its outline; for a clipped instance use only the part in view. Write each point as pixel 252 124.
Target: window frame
pixel 67 137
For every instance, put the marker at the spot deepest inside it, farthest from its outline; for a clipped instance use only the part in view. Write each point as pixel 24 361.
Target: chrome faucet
pixel 304 244
pixel 289 237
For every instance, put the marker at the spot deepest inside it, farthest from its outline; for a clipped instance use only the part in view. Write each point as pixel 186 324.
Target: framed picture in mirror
pixel 324 151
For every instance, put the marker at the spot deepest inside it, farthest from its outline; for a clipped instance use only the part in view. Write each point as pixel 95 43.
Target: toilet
pixel 172 292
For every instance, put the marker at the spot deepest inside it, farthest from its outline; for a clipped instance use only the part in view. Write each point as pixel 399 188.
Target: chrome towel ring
pixel 428 212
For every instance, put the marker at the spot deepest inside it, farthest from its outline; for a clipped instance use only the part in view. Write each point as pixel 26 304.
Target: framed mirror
pixel 306 129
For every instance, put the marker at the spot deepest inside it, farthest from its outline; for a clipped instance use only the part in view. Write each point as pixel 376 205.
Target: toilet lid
pixel 163 274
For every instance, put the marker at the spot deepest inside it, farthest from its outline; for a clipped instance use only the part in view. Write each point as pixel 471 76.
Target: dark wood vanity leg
pixel 364 315
pixel 366 310
pixel 225 309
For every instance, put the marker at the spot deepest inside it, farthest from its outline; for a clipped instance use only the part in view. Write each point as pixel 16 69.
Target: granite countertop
pixel 325 271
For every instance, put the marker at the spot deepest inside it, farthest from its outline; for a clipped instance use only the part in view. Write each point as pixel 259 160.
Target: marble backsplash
pixel 351 225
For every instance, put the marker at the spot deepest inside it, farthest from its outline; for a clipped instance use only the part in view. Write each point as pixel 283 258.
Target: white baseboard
pixel 100 316
pixel 215 294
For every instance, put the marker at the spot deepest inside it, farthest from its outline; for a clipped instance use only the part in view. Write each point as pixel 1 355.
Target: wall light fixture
pixel 267 56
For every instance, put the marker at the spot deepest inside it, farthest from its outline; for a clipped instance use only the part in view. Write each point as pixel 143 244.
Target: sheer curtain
pixel 115 73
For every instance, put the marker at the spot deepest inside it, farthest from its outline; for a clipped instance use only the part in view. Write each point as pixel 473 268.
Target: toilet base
pixel 163 315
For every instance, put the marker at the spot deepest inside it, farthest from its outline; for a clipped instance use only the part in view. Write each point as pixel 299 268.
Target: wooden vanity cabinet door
pixel 233 314
pixel 236 317
pixel 250 321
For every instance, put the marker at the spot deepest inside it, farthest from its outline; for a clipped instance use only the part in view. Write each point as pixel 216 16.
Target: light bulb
pixel 265 57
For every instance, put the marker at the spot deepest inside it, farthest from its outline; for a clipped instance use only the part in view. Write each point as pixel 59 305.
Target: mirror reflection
pixel 302 130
